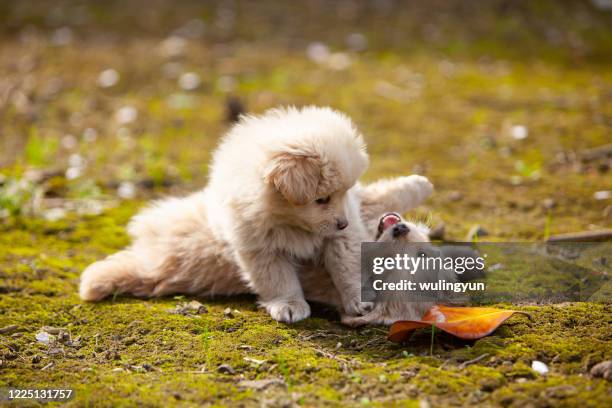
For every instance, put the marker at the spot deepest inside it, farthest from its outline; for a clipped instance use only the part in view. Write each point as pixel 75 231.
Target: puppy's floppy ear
pixel 295 176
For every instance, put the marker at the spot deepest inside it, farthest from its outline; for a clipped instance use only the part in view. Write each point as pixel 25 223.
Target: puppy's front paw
pixel 288 311
pixel 356 307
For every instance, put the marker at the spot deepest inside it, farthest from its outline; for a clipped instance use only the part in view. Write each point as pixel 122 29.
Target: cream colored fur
pixel 257 226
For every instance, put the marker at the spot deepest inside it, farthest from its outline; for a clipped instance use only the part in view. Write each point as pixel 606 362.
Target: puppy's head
pixel 393 228
pixel 311 174
pixel 310 193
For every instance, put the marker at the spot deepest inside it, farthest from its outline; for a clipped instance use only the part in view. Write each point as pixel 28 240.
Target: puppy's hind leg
pixel 118 273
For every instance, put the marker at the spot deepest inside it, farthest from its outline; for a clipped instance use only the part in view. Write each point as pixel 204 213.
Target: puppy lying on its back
pixel 281 193
pixel 391 228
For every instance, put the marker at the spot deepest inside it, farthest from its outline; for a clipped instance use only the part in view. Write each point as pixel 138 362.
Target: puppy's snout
pixel 400 230
pixel 341 223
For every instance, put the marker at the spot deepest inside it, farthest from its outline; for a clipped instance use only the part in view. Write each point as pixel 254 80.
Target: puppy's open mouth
pixel 387 221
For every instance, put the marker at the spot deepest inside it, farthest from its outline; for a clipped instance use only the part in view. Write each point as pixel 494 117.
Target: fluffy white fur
pixel 282 189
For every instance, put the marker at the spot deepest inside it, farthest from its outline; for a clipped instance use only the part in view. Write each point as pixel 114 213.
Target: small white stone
pixel 73 172
pixel 43 337
pixel 126 114
pixel 126 190
pixel 318 52
pixel 539 367
pixel 519 132
pixel 189 81
pixel 602 195
pixel 108 78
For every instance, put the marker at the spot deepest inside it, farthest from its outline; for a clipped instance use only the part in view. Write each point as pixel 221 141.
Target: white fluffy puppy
pixel 282 193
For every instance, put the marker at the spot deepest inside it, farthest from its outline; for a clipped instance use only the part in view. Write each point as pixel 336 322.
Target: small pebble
pixel 603 370
pixel 43 337
pixel 318 52
pixel 226 369
pixel 519 132
pixel 602 195
pixel 126 114
pixel 8 329
pixel 73 173
pixel 197 307
pixel 228 312
pixel 126 190
pixel 539 367
pixel 108 78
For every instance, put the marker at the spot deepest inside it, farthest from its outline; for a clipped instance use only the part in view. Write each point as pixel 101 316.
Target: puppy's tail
pixel 119 273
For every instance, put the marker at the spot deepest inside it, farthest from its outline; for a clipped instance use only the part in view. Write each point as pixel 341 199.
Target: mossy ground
pixel 437 90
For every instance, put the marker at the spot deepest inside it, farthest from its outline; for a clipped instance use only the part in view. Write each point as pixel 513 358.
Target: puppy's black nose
pixel 341 224
pixel 399 230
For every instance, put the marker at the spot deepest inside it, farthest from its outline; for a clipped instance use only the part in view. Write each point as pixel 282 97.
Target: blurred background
pixel 104 105
pixel 505 105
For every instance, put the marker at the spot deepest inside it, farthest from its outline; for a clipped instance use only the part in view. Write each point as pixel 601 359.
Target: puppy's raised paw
pixel 288 311
pixel 419 185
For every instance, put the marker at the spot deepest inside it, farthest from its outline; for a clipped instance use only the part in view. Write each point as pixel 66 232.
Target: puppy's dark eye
pixel 323 200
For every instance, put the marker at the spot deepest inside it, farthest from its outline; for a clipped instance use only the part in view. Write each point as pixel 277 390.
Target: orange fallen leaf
pixel 464 322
